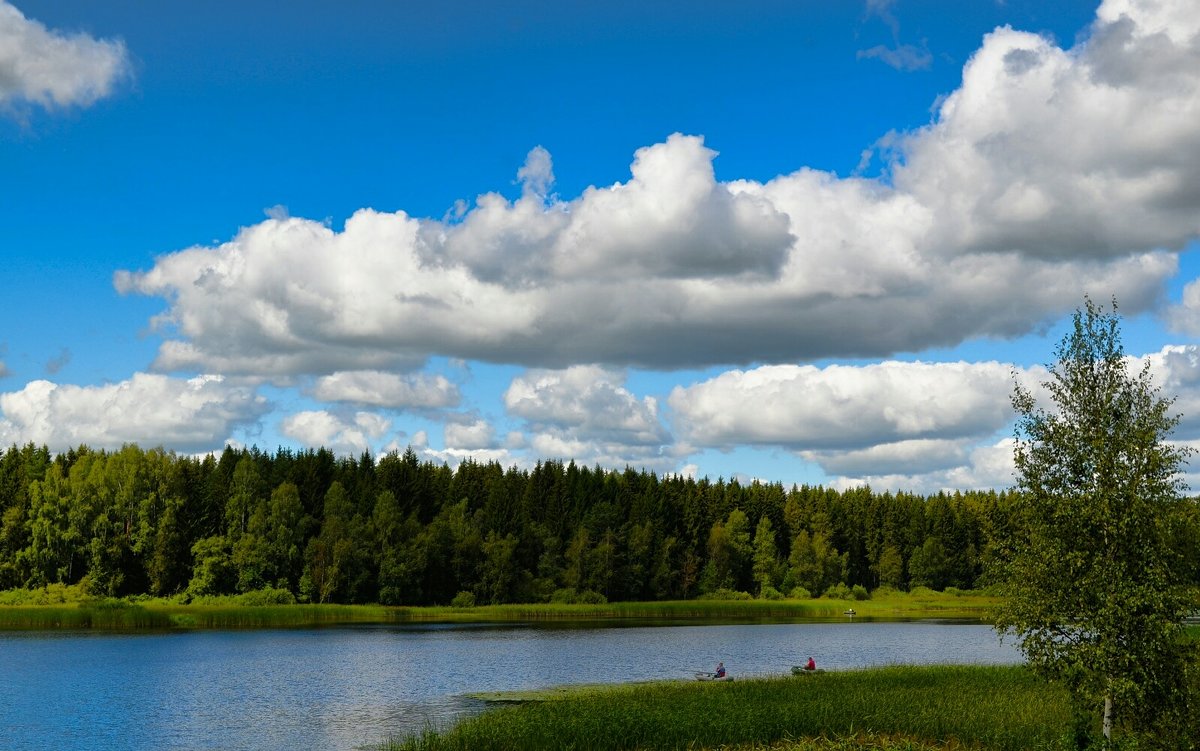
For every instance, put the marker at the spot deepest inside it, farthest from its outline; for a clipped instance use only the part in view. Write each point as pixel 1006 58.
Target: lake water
pixel 350 688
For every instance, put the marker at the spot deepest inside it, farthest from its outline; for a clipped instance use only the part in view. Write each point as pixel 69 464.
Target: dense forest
pixel 396 530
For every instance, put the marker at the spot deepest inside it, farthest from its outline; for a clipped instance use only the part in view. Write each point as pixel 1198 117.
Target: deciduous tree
pixel 1095 595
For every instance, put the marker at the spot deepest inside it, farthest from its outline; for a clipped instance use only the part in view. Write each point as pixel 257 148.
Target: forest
pixel 396 530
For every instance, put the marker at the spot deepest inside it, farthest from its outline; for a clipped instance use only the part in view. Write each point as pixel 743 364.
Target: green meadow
pixel 938 707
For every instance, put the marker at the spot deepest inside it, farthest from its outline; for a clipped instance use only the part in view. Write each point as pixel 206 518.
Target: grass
pixel 939 707
pixel 59 607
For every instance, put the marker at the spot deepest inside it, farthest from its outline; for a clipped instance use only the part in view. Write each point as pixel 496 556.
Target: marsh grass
pixel 1002 708
pixel 58 607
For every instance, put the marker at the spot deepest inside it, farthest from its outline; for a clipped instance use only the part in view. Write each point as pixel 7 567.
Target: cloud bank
pixel 1049 173
pixel 191 415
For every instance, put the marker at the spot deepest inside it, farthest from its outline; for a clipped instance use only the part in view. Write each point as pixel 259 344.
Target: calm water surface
pixel 350 688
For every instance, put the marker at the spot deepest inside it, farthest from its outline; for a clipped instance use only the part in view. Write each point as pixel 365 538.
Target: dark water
pixel 348 688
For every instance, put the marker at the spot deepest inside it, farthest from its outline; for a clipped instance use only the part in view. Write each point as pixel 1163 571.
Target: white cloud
pixel 380 389
pixel 846 408
pixel 588 400
pixel 478 434
pixel 185 415
pixel 50 68
pixel 1048 174
pixel 586 413
pixel 1090 152
pixel 904 57
pixel 987 466
pixel 320 428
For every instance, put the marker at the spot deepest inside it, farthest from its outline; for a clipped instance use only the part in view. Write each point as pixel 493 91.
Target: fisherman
pixel 720 670
pixel 810 665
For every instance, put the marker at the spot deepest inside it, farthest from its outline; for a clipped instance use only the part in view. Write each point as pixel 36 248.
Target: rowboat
pixel 713 677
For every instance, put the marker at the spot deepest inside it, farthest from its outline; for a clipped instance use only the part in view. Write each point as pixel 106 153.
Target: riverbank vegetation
pixel 999 708
pixel 60 606
pixel 398 531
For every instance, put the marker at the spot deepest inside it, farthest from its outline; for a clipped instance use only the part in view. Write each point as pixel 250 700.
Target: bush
pixel 884 591
pixel 921 592
pixel 838 592
pixel 463 599
pixel 266 596
pixel 953 591
pixel 770 593
pixel 725 594
pixel 570 596
pixel 859 592
pixel 800 593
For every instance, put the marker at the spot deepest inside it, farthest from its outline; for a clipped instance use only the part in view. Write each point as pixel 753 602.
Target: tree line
pixel 398 530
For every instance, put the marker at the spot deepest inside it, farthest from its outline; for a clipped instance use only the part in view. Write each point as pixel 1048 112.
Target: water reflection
pixel 348 688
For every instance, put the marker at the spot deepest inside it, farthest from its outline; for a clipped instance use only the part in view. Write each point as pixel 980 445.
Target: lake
pixel 350 688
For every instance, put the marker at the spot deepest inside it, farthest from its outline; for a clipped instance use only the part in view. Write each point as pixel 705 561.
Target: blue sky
pixel 796 241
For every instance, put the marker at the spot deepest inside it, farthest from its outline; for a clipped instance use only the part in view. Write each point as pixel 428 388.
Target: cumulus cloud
pixel 986 466
pixel 926 424
pixel 191 415
pixel 1048 174
pixel 320 428
pixel 585 412
pixel 472 435
pixel 381 389
pixel 53 69
pixel 914 406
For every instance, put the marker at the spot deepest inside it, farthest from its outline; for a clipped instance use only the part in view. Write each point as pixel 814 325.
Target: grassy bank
pixel 1002 708
pixel 67 608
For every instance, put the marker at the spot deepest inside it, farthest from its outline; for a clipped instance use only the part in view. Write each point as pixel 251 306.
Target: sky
pixel 798 242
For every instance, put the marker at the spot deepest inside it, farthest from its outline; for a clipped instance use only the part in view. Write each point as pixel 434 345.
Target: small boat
pixel 713 677
pixel 801 670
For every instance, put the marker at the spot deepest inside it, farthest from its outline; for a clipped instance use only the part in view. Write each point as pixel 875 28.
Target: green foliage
pixel 1005 709
pixel 463 599
pixel 1096 594
pixel 838 591
pixel 726 594
pixel 859 592
pixel 799 593
pixel 399 531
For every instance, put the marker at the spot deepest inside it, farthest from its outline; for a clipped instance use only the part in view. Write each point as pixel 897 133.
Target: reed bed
pixel 52 609
pixel 1000 708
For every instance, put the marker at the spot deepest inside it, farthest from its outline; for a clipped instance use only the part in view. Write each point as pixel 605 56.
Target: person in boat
pixel 810 665
pixel 720 670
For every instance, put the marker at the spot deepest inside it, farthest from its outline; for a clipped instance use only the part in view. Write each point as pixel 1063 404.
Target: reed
pixel 68 608
pixel 1001 708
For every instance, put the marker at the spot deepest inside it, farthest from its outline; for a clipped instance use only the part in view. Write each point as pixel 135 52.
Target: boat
pixel 801 670
pixel 713 677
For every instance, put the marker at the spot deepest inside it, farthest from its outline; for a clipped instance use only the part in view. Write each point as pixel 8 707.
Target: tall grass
pixel 1002 708
pixel 68 608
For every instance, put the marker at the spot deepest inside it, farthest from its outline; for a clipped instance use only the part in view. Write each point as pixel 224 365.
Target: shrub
pixel 800 593
pixel 921 592
pixel 770 593
pixel 859 592
pixel 571 596
pixel 266 596
pixel 953 591
pixel 725 594
pixel 463 599
pixel 884 591
pixel 838 591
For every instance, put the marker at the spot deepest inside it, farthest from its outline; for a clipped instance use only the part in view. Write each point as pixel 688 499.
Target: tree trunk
pixel 1108 717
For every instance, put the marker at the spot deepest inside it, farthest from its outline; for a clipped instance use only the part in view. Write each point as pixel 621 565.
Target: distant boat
pixel 713 677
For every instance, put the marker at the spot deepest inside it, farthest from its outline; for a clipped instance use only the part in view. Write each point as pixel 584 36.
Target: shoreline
pixel 138 615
